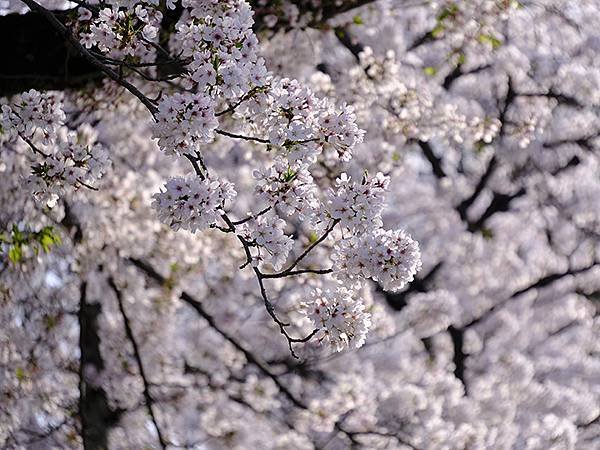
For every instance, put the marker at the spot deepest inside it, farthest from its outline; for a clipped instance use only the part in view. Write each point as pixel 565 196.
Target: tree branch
pixel 66 34
pixel 538 284
pixel 436 162
pixel 138 359
pixel 500 203
pixel 42 59
pixel 459 357
pixel 197 306
pixel 95 413
pixel 463 206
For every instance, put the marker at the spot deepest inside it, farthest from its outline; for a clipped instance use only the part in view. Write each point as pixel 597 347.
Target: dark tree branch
pixel 587 142
pixel 500 203
pixel 457 73
pixel 197 306
pixel 459 357
pixel 320 11
pixel 508 101
pixel 95 413
pixel 170 18
pixel 538 284
pixel 346 39
pixel 561 98
pixel 331 8
pixel 590 423
pixel 239 136
pixel 38 56
pixel 421 40
pixel 398 300
pixel 574 161
pixel 193 370
pixel 435 161
pixel 138 359
pixel 67 36
pixel 463 206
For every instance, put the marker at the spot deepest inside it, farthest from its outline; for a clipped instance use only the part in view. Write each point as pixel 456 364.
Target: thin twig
pixel 33 147
pixel 287 271
pixel 239 136
pixel 297 272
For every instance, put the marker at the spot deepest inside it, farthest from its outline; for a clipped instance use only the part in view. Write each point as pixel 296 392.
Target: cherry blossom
pixel 191 203
pixel 299 224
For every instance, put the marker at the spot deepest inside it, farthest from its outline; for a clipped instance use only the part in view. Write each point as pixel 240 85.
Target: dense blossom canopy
pixel 302 224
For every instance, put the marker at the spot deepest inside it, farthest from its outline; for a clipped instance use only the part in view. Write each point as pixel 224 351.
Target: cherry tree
pixel 300 224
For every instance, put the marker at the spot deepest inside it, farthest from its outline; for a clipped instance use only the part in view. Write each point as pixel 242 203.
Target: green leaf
pixel 47 237
pixel 487 233
pixel 15 254
pixel 357 20
pixel 289 175
pixel 450 11
pixel 17 235
pixel 438 30
pixel 430 71
pixel 20 374
pixel 479 146
pixel 50 321
pixel 491 40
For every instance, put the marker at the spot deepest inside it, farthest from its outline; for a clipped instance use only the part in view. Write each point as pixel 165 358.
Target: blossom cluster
pixel 484 130
pixel 406 100
pixel 74 162
pixel 289 187
pixel 183 121
pixel 524 123
pixel 120 32
pixel 429 313
pixel 220 50
pixel 63 157
pixel 340 319
pixel 390 257
pixel 222 47
pixel 303 125
pixel 191 203
pixel 496 345
pixel 220 53
pixel 272 245
pixel 358 206
pixel 32 112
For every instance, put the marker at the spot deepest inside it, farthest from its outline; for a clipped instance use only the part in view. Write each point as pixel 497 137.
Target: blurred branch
pixel 95 413
pixel 435 161
pixel 252 358
pixel 138 359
